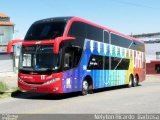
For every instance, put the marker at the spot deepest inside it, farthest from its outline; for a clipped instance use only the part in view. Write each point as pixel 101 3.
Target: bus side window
pixel 71 57
pixel 77 56
pixel 67 61
pixel 95 62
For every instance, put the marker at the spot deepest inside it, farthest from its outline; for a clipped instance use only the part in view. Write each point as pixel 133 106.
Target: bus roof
pixel 72 19
pixel 53 19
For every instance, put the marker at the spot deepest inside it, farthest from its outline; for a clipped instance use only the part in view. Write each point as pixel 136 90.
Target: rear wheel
pixel 136 81
pixel 130 84
pixel 85 87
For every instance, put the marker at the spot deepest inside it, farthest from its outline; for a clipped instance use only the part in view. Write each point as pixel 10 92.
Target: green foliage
pixel 3 87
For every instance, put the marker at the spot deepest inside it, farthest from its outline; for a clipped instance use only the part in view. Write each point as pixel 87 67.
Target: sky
pixel 125 16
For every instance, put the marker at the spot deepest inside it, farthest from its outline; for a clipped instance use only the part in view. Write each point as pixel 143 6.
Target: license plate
pixel 33 88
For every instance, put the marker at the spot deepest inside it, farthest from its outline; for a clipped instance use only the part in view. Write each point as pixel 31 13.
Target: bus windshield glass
pixel 38 58
pixel 45 31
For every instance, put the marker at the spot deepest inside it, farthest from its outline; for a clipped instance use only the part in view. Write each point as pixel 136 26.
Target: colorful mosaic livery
pixel 70 54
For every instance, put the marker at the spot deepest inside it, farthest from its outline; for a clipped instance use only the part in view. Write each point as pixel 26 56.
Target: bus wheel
pixel 85 87
pixel 90 89
pixel 130 84
pixel 136 81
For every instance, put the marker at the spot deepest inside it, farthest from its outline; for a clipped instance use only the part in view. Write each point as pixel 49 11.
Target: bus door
pixel 71 57
pixel 114 62
pixel 106 59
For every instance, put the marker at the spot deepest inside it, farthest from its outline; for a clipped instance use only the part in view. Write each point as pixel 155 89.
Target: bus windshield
pixel 38 58
pixel 45 31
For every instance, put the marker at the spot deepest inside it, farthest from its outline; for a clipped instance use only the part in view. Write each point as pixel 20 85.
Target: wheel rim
pixel 136 81
pixel 85 87
pixel 130 81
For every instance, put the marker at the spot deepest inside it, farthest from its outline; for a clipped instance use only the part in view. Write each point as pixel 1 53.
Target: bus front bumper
pixel 49 88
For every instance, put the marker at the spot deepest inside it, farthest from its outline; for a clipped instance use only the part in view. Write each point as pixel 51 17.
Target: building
pixel 6 29
pixel 152 46
pixel 6 34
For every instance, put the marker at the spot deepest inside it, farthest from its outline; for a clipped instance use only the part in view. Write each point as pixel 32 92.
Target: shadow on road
pixel 42 96
pixel 112 88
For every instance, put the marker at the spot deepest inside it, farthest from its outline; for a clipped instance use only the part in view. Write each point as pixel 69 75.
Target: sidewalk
pixel 9 78
pixel 150 75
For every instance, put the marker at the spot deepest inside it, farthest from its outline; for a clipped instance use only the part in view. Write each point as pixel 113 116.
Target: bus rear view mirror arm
pixel 12 42
pixel 58 41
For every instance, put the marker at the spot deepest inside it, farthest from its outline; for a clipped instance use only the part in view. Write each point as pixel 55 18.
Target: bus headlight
pixel 51 81
pixel 20 80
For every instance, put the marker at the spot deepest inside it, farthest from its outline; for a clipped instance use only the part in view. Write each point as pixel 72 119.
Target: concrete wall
pixel 151 50
pixel 151 67
pixel 7 34
pixel 6 63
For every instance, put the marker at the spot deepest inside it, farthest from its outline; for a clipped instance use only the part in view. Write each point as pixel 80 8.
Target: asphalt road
pixel 142 99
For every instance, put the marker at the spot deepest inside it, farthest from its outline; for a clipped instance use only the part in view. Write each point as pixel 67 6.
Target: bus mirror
pixel 58 41
pixel 12 42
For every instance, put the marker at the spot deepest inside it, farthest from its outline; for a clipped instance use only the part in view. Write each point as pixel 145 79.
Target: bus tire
pixel 131 79
pixel 90 89
pixel 136 81
pixel 85 87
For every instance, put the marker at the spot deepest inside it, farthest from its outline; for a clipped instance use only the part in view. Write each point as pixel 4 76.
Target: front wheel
pixel 85 87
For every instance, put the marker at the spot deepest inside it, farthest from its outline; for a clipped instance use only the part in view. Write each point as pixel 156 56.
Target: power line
pixel 134 4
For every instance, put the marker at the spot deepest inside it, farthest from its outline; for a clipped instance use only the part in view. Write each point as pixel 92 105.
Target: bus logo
pixel 42 77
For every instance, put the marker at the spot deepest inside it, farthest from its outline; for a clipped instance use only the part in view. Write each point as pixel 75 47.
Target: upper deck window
pixel 45 30
pixel 80 29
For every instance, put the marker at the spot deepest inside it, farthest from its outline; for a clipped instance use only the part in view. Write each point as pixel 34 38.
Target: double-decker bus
pixel 70 54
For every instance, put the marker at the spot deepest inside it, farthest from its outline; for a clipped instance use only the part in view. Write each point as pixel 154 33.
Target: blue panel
pixel 101 78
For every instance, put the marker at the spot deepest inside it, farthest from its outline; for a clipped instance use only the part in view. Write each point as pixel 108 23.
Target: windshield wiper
pixel 43 69
pixel 46 71
pixel 34 58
